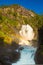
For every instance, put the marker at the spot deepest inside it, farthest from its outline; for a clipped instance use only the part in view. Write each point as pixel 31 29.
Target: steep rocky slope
pixel 13 17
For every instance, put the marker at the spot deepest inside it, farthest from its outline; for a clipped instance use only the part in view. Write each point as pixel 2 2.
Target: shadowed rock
pixel 39 52
pixel 9 53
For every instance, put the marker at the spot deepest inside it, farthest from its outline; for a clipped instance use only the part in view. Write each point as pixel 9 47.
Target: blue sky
pixel 35 5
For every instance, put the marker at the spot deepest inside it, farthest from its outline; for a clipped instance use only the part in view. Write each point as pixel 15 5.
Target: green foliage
pixel 17 20
pixel 2 34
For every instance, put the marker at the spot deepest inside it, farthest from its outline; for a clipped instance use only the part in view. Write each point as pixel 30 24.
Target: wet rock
pixel 39 56
pixel 39 52
pixel 9 53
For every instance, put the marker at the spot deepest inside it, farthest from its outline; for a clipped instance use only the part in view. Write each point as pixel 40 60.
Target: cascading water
pixel 28 53
pixel 27 56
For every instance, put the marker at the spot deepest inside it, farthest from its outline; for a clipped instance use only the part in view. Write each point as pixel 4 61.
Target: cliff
pixel 13 17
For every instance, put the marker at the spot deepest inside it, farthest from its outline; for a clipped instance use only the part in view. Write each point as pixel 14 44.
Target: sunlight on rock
pixel 24 42
pixel 27 33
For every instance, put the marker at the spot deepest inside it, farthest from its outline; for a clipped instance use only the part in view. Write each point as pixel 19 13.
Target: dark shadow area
pixel 9 53
pixel 39 52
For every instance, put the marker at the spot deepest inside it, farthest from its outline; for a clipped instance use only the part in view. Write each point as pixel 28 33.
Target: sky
pixel 35 5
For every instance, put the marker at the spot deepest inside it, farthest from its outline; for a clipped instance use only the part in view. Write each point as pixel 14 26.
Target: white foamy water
pixel 27 56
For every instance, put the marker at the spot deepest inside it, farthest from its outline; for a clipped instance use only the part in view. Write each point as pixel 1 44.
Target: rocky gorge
pixel 21 36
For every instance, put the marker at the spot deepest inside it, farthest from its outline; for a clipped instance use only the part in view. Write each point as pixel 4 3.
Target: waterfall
pixel 28 53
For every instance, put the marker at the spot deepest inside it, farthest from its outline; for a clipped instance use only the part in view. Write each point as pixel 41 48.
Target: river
pixel 27 56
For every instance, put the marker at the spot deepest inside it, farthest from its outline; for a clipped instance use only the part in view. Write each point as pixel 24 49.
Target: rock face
pixel 12 18
pixel 39 52
pixel 9 53
pixel 27 33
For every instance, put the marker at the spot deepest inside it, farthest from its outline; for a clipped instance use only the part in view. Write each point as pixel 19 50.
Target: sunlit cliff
pixel 11 20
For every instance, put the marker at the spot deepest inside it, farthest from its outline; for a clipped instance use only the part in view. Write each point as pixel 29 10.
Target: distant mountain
pixel 13 17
